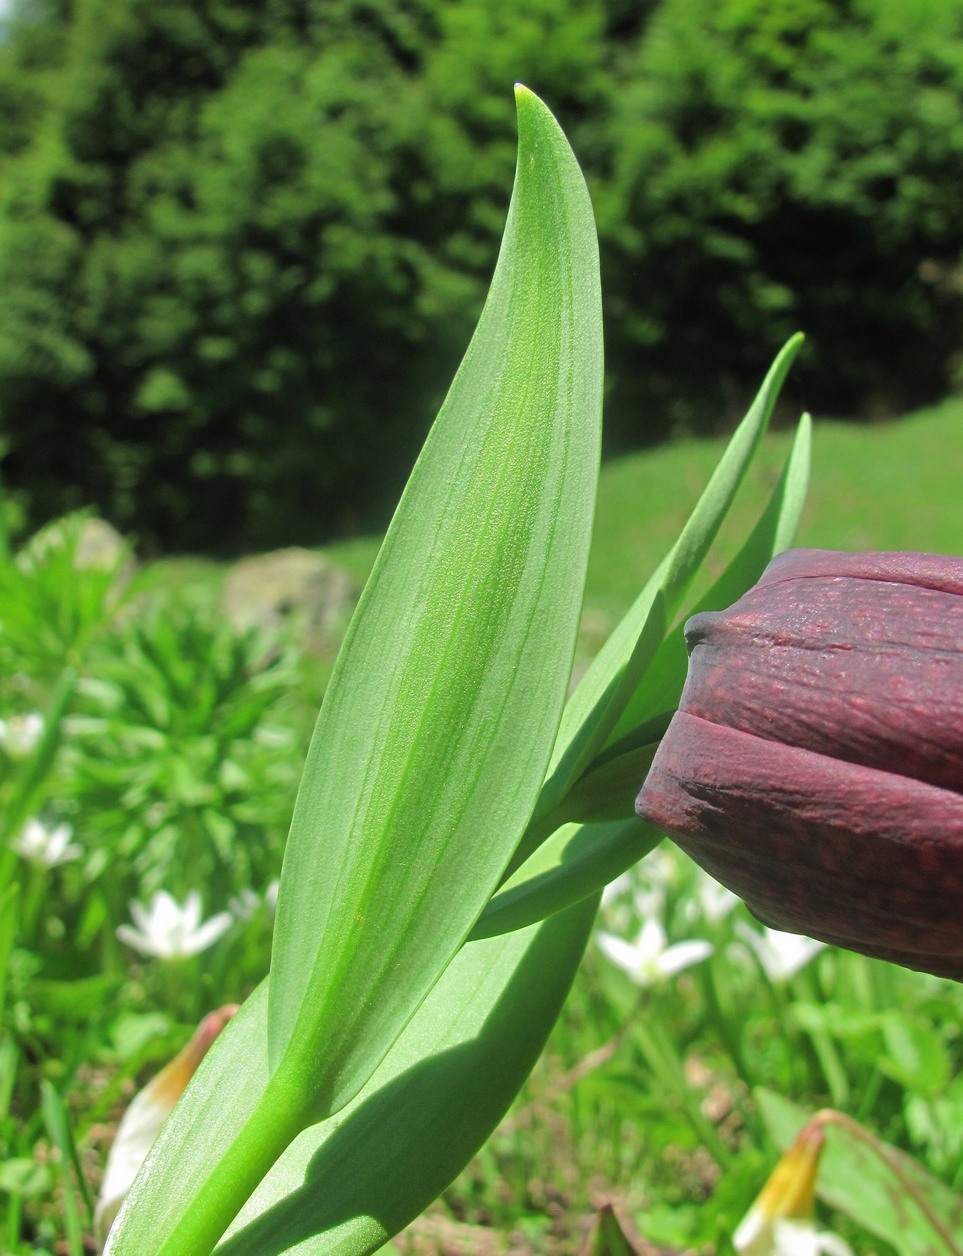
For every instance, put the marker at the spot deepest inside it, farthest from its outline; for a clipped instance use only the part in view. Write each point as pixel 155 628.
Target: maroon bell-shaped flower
pixel 815 764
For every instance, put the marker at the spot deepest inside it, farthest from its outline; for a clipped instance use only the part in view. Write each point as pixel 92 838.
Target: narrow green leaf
pixel 577 861
pixel 437 726
pixel 875 1184
pixel 8 931
pixel 57 1122
pixel 596 705
pixel 608 1238
pixel 33 774
pixel 347 1184
pixel 657 695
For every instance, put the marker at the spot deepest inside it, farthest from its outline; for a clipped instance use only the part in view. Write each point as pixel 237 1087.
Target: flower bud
pixel 815 764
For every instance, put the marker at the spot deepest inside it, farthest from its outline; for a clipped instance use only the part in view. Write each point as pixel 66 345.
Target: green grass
pixel 893 485
pixel 874 486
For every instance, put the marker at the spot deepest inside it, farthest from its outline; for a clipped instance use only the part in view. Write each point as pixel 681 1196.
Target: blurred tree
pixel 785 164
pixel 243 246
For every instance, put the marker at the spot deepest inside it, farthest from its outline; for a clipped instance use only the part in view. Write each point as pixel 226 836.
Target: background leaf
pixel 890 1195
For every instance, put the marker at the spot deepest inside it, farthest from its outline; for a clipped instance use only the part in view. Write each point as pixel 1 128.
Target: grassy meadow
pixel 656 1090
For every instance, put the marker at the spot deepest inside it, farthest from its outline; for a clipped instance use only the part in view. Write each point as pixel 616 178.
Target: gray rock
pixel 290 589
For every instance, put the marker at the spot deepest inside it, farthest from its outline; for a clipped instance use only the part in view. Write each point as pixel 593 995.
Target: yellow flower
pixel 780 1222
pixel 147 1112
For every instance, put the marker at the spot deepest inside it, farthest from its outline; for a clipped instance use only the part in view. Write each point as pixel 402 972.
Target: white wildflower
pixel 46 847
pixel 781 955
pixel 20 734
pixel 243 906
pixel 649 959
pixel 170 931
pixel 713 902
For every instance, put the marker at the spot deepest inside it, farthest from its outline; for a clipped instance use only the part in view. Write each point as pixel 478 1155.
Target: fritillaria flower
pixel 171 931
pixel 148 1111
pixel 815 764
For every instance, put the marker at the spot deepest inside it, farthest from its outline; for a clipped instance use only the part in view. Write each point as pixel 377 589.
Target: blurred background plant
pixel 149 756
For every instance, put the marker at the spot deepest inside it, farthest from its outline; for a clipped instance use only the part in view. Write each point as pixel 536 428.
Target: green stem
pixel 272 1126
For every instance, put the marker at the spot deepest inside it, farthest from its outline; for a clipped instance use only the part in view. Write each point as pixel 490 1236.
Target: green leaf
pixel 576 861
pixel 347 1184
pixel 438 724
pixel 8 931
pixel 60 1132
pixel 876 1185
pixel 594 709
pixel 25 1177
pixel 608 1238
pixel 657 696
pixel 916 1055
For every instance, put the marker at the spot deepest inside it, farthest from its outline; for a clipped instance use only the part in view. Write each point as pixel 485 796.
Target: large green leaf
pixel 596 706
pixel 347 1184
pixel 438 724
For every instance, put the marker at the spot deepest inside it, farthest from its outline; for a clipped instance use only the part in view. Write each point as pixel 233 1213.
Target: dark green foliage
pixel 242 246
pixel 777 164
pixel 184 757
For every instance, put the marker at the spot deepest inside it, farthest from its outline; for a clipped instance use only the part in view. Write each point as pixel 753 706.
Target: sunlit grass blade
pixel 347 1184
pixel 595 707
pixel 57 1122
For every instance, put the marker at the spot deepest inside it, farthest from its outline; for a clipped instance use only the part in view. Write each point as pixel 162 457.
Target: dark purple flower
pixel 815 764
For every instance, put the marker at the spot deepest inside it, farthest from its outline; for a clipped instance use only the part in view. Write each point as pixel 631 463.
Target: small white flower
pixel 20 734
pixel 243 907
pixel 786 1236
pixel 169 931
pixel 271 895
pixel 781 955
pixel 46 847
pixel 660 868
pixel 714 901
pixel 649 959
